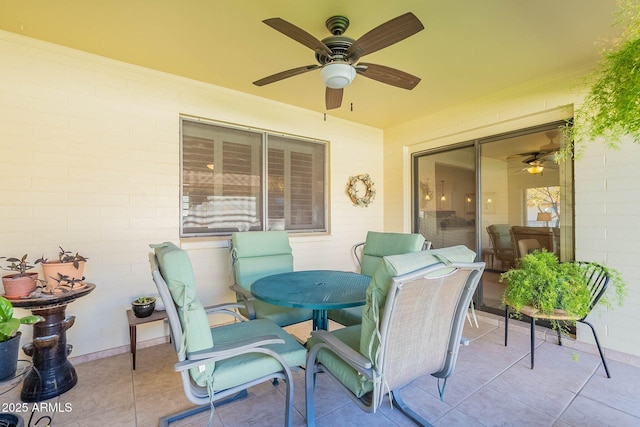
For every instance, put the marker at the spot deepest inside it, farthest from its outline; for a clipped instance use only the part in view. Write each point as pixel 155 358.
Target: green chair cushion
pixel 258 254
pixel 241 369
pixel 248 270
pixel 175 267
pixel 378 289
pixel 261 243
pixel 378 245
pixel 348 376
pixel 346 316
pixel 280 315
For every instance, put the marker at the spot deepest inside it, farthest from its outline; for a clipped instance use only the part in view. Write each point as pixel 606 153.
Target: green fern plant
pixel 610 109
pixel 543 282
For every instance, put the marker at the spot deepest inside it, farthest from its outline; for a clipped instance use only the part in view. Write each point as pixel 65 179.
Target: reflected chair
pixel 369 255
pixel 500 237
pixel 546 237
pixel 411 327
pixel 221 362
pixel 257 254
pixel 526 246
pixel 597 282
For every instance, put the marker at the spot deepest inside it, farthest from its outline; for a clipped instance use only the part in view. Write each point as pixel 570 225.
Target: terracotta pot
pixel 52 268
pixel 16 287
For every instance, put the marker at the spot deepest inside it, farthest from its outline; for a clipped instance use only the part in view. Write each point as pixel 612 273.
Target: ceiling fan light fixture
pixel 338 74
pixel 535 169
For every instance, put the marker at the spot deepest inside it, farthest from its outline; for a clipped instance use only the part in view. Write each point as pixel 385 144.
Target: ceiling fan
pixel 535 159
pixel 535 163
pixel 338 55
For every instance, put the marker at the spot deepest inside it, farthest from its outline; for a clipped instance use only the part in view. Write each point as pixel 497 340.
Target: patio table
pixel 319 290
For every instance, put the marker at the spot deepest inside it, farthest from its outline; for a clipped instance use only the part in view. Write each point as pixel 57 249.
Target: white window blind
pixel 234 178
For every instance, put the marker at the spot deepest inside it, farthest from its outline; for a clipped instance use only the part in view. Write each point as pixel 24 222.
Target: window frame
pixel 280 141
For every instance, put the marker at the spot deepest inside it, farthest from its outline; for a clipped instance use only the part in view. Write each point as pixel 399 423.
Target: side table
pixel 52 373
pixel 134 322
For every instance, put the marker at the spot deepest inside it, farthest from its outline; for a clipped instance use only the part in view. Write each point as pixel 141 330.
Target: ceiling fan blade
pixel 298 34
pixel 535 158
pixel 333 98
pixel 285 74
pixel 385 35
pixel 388 75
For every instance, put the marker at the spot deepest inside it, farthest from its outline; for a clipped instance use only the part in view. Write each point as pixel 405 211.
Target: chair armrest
pixel 226 351
pixel 226 308
pixel 242 291
pixel 247 297
pixel 357 247
pixel 344 351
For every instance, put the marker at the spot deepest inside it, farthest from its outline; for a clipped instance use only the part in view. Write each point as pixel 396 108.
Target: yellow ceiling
pixel 468 49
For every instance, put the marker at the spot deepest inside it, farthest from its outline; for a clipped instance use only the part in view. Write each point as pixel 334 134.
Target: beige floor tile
pixel 123 416
pixel 488 387
pixel 493 407
pixel 586 413
pixel 541 395
pixel 621 391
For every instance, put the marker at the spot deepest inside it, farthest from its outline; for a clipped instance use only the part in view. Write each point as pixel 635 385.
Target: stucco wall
pixel 89 160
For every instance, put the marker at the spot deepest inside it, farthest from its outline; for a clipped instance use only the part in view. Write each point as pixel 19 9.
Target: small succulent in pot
pixel 143 306
pixel 65 257
pixel 20 265
pixel 22 282
pixel 66 271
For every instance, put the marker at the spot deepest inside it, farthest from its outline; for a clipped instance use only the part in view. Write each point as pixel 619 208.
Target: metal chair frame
pixel 597 281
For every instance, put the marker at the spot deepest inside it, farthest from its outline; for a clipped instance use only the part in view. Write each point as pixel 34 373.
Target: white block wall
pixel 89 160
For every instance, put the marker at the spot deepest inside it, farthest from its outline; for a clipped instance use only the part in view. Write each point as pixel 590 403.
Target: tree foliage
pixel 611 109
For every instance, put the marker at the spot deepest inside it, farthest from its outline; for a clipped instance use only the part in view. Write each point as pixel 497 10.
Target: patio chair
pixel 369 255
pixel 500 237
pixel 526 246
pixel 597 282
pixel 411 327
pixel 547 237
pixel 257 254
pixel 220 362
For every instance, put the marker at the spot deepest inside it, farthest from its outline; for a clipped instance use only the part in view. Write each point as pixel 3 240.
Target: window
pixel 543 206
pixel 234 178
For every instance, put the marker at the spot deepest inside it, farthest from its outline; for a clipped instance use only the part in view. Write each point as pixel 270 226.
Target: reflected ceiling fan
pixel 338 55
pixel 535 159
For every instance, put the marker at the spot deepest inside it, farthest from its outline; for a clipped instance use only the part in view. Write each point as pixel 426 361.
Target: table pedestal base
pixel 52 373
pixel 320 320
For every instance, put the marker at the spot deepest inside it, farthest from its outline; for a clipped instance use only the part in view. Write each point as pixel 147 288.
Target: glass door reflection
pixel 446 212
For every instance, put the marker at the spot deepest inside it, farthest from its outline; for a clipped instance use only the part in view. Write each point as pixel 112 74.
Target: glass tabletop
pixel 315 289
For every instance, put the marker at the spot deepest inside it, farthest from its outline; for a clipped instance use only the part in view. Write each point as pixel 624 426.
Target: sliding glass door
pixel 500 196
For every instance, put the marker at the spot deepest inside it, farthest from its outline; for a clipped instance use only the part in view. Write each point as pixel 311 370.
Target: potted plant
pixel 143 306
pixel 67 270
pixel 549 286
pixel 10 337
pixel 22 282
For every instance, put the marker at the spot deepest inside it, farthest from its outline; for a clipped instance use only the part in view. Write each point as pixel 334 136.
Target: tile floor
pixel 491 386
